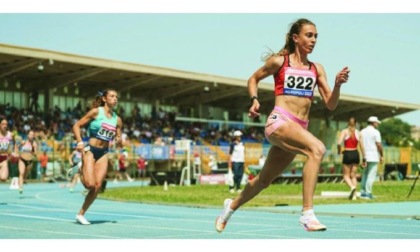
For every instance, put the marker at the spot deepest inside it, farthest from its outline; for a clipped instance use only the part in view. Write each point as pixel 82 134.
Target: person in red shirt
pixel 43 161
pixel 351 159
pixel 141 167
pixel 123 163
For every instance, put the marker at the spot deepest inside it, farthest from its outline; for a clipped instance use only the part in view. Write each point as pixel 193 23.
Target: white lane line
pixel 57 232
pixel 35 217
pixel 377 232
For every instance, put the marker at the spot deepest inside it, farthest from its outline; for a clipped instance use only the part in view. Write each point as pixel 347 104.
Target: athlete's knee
pixel 317 150
pixel 89 185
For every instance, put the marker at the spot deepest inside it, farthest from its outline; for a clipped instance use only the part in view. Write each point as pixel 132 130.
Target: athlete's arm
pixel 35 147
pixel 329 97
pixel 118 139
pixel 81 122
pixel 362 150
pixel 340 141
pixel 270 67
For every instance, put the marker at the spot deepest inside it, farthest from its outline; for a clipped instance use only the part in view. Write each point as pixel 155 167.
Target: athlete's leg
pixel 347 175
pixel 4 170
pixel 277 160
pixel 28 170
pixel 292 138
pixel 353 172
pixel 93 176
pixel 21 168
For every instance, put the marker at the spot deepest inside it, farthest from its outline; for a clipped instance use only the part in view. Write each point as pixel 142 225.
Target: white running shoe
pixel 311 223
pixel 82 220
pixel 222 220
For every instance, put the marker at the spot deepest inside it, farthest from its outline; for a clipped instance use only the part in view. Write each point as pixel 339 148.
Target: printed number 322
pixel 300 82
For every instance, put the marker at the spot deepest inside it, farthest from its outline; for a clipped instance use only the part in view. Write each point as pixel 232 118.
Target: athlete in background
pixel 104 126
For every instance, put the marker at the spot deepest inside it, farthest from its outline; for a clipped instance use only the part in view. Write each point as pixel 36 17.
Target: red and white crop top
pixel 351 140
pixel 293 81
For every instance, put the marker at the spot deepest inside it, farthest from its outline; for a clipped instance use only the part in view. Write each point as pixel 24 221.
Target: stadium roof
pixel 149 83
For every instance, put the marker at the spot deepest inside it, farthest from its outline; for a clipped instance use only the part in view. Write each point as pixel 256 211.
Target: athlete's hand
pixel 253 110
pixel 80 145
pixel 342 76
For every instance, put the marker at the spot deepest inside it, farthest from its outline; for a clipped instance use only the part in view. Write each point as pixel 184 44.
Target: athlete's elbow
pixel 331 106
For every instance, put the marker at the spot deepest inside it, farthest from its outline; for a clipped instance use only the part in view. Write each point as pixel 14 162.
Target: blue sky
pixel 381 49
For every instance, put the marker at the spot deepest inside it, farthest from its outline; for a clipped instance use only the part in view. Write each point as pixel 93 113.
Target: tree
pixel 396 132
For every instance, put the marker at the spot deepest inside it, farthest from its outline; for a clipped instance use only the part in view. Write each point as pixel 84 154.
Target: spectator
pixel 197 164
pixel 371 140
pixel 213 163
pixel 34 101
pixel 141 167
pixel 43 161
pixel 236 161
pixel 124 164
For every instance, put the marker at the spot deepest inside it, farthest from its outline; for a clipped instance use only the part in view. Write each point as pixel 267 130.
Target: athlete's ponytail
pixel 295 28
pixel 289 46
pixel 98 101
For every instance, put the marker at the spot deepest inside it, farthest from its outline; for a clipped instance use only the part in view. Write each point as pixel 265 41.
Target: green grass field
pixel 276 194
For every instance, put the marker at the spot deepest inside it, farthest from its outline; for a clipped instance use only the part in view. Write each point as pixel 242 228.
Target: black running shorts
pixel 351 157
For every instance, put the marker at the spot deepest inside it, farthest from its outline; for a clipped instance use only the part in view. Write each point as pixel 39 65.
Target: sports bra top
pixel 294 81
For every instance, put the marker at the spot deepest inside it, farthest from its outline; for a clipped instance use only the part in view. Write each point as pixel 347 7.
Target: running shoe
pixel 222 220
pixel 352 194
pixel 82 220
pixel 311 223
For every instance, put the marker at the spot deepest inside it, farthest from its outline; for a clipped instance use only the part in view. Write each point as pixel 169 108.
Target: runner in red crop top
pixel 294 81
pixel 351 158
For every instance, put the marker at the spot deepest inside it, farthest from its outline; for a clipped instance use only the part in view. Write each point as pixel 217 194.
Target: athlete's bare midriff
pixel 298 106
pixel 26 156
pixel 98 143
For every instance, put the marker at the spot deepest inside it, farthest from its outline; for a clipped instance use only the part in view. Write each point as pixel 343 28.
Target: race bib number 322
pixel 299 82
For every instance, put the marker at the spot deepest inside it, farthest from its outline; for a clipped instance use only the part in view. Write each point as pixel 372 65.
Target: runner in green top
pixel 104 126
